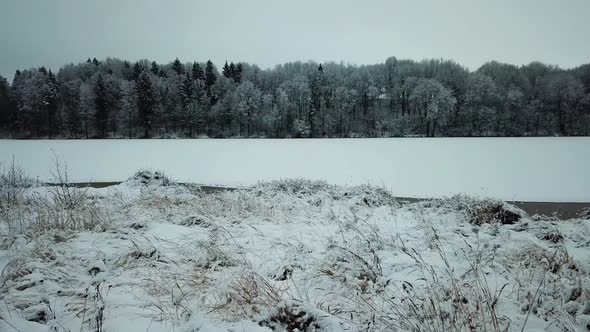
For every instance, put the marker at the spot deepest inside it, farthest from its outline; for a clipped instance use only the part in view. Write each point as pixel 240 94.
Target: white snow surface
pixel 344 258
pixel 526 169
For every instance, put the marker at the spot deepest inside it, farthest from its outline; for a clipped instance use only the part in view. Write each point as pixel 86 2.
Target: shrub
pixel 482 211
pixel 297 186
pixel 13 184
pixel 148 177
pixel 291 318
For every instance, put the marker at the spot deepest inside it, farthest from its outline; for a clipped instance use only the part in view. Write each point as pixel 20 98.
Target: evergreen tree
pixel 137 70
pixel 101 104
pixel 70 101
pixel 178 67
pixel 146 102
pixel 232 71
pixel 127 71
pixel 210 79
pixel 162 73
pixel 7 105
pixel 227 70
pixel 51 100
pixel 155 68
pixel 197 72
pixel 238 73
pixel 95 62
pixel 317 96
pixel 186 100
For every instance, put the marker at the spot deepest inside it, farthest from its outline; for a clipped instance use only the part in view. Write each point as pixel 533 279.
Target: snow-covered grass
pixel 289 255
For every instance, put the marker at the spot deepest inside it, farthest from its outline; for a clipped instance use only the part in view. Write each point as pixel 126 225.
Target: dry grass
pixel 66 207
pixel 437 299
pixel 61 207
pixel 14 205
pixel 446 302
pixel 247 295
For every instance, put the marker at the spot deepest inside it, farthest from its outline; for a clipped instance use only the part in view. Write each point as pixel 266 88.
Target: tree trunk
pixel 433 127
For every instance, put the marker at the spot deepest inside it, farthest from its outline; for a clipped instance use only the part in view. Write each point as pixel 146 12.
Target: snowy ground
pixel 550 169
pixel 148 255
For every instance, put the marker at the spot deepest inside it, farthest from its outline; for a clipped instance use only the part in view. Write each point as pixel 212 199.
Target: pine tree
pixel 210 79
pixel 7 106
pixel 146 101
pixel 137 70
pixel 101 105
pixel 70 101
pixel 232 71
pixel 178 67
pixel 162 73
pixel 95 62
pixel 49 103
pixel 227 70
pixel 238 73
pixel 185 92
pixel 127 71
pixel 198 72
pixel 317 100
pixel 155 68
pixel 52 104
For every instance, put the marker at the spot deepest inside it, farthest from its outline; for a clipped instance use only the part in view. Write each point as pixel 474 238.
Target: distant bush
pixel 298 186
pixel 366 194
pixel 481 211
pixel 492 213
pixel 146 177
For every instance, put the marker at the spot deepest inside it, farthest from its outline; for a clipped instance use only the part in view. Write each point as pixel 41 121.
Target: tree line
pixel 118 99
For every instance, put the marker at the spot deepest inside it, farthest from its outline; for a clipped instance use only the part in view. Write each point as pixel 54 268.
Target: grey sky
pixel 268 32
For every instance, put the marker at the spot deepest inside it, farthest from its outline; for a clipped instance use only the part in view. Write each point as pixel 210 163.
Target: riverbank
pixel 559 210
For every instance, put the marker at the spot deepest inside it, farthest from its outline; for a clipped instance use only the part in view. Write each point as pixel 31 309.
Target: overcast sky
pixel 269 32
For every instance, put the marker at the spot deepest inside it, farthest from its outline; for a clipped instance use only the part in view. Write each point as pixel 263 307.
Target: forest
pixel 114 98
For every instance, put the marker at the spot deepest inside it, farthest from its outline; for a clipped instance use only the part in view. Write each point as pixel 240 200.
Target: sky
pixel 269 32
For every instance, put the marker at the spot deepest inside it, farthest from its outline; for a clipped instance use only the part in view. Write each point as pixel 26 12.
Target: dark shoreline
pixel 560 210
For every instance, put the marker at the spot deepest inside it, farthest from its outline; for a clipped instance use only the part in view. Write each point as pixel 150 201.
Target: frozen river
pixel 526 169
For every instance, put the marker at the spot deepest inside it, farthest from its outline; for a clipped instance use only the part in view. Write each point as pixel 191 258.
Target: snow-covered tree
pixel 247 98
pixel 432 102
pixel 146 102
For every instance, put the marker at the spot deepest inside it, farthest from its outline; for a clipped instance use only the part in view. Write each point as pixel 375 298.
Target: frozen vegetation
pixel 296 255
pixel 116 98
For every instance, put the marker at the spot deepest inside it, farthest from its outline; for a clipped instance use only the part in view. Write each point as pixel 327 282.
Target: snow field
pixel 292 254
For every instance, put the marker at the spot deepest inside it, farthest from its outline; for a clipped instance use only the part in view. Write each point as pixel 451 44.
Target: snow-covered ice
pixel 527 169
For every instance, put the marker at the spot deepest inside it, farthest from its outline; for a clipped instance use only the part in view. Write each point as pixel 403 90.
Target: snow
pixel 174 258
pixel 526 169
